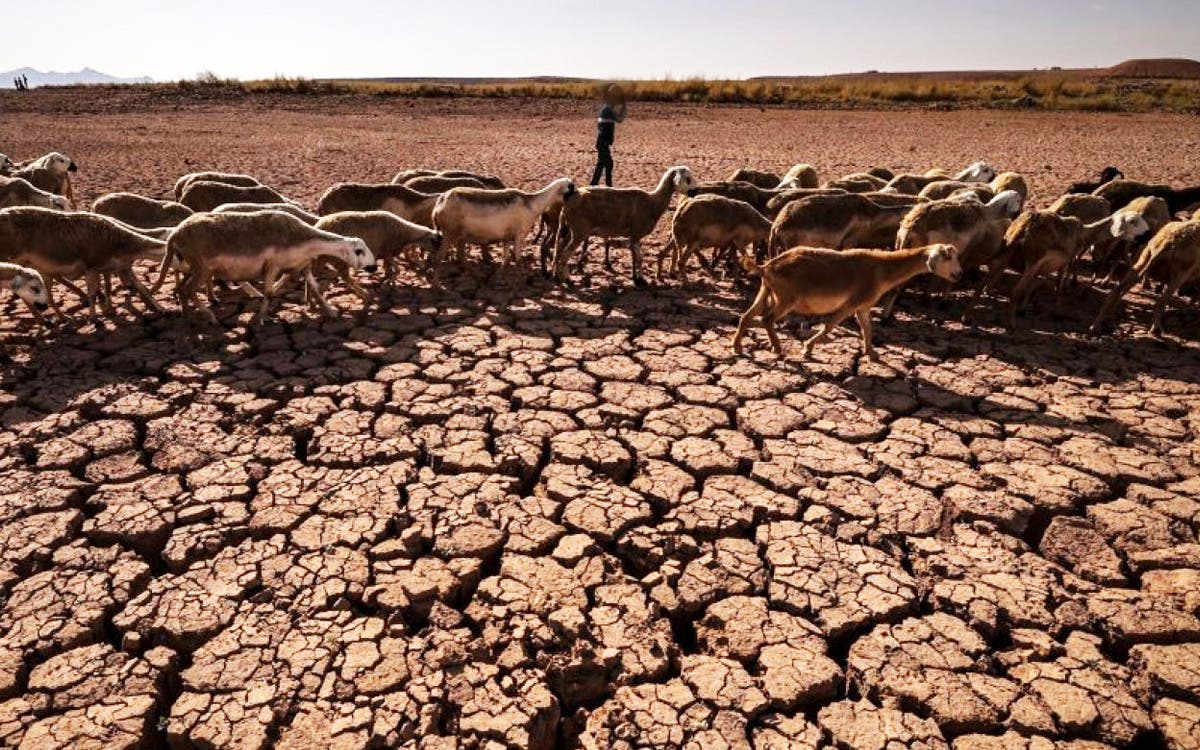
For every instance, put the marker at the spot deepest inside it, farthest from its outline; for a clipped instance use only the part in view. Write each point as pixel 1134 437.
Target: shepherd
pixel 611 113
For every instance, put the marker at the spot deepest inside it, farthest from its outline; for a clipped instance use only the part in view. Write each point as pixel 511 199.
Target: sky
pixel 174 39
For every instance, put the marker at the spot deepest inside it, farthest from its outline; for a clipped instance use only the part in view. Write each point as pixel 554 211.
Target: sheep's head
pixel 1128 225
pixel 31 288
pixel 1007 203
pixel 942 260
pixel 357 255
pixel 58 164
pixel 563 189
pixel 1108 174
pixel 6 164
pixel 683 179
pixel 177 261
pixel 980 171
pixel 789 184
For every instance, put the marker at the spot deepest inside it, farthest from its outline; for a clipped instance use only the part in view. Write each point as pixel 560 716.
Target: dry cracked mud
pixel 488 518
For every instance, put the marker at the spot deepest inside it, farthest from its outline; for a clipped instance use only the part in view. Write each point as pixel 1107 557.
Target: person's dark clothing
pixel 604 164
pixel 606 131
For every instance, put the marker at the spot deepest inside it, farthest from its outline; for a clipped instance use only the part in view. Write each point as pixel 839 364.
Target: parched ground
pixel 487 517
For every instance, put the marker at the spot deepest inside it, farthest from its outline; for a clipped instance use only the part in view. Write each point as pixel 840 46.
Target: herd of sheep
pixel 831 250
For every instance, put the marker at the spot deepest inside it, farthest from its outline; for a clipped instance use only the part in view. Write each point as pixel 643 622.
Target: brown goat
pixel 836 285
pixel 1173 257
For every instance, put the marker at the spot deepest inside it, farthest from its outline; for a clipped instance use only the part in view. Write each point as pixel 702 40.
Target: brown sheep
pixel 1172 256
pixel 401 200
pixel 1042 243
pixel 1087 208
pixel 226 178
pixel 801 176
pixel 857 183
pixel 388 236
pixel 205 196
pixel 834 222
pixel 140 211
pixel 51 173
pixel 764 180
pixel 758 197
pixel 836 285
pixel 712 221
pixel 67 245
pixel 487 180
pixel 617 212
pixel 777 202
pixel 441 183
pixel 913 184
pixel 15 191
pixel 1010 181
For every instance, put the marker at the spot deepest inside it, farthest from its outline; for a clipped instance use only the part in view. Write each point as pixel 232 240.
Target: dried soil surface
pixel 535 517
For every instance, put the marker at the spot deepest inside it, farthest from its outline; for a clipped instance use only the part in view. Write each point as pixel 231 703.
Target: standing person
pixel 611 113
pixel 24 82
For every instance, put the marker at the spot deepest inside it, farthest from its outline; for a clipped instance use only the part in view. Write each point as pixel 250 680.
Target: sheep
pixel 7 166
pixel 482 216
pixel 140 211
pixel 1107 175
pixel 386 234
pixel 836 285
pixel 15 191
pixel 1115 256
pixel 205 196
pixel 756 196
pixel 27 285
pixel 882 173
pixel 974 229
pixel 942 189
pixel 1087 208
pixel 801 176
pixel 833 221
pixel 764 180
pixel 489 181
pixel 441 183
pixel 1173 257
pixel 1041 242
pixel 857 183
pixel 912 184
pixel 712 221
pixel 258 246
pixel 288 208
pixel 1010 181
pixel 64 245
pixel 961 223
pixel 893 199
pixel 401 200
pixel 981 193
pixel 51 173
pixel 783 198
pixel 226 178
pixel 617 212
pixel 1120 192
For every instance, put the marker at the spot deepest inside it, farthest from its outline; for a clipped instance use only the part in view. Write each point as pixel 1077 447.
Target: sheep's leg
pixel 131 280
pixel 635 249
pixel 270 281
pixel 82 295
pixel 683 256
pixel 53 301
pixel 889 303
pixel 756 307
pixel 608 266
pixel 93 292
pixel 1113 298
pixel 772 315
pixel 562 256
pixel 995 272
pixel 310 282
pixel 199 280
pixel 1023 288
pixel 670 251
pixel 581 263
pixel 1160 304
pixel 864 326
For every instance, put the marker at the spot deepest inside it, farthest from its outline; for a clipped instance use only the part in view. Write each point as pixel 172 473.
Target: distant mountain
pixel 1163 67
pixel 87 76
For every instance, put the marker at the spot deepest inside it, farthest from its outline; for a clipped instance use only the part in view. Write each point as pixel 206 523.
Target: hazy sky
pixel 174 39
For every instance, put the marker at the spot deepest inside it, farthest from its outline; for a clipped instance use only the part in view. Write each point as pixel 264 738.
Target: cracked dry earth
pixel 483 519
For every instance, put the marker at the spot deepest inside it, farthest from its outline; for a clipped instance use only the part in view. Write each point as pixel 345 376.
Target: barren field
pixel 534 517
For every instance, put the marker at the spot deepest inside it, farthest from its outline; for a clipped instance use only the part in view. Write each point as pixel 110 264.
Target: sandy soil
pixel 532 518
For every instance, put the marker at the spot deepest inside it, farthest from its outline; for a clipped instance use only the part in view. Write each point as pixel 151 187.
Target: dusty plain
pixel 536 517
